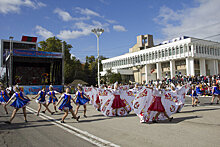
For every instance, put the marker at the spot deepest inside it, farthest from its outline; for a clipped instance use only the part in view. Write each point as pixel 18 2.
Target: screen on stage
pixel 32 74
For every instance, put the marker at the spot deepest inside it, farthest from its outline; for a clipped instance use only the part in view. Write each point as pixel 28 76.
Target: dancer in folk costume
pixel 66 105
pixel 116 102
pixel 92 94
pixel 21 101
pixel 42 101
pixel 152 104
pixel 181 91
pixel 136 89
pixel 4 98
pixel 215 93
pixel 81 99
pixel 52 98
pixel 158 106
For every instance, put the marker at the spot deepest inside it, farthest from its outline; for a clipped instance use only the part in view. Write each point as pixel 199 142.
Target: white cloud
pixel 200 21
pixel 82 29
pixel 111 21
pixel 14 6
pixel 119 28
pixel 87 12
pixel 43 32
pixel 65 16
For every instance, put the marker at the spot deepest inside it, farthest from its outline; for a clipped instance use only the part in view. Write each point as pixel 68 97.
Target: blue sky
pixel 123 20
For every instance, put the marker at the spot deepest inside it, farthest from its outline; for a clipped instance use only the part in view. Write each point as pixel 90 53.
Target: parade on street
pixel 109 73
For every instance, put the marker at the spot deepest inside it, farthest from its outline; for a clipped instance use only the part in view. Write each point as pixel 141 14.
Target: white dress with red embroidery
pixel 182 93
pixel 92 93
pixel 116 99
pixel 148 103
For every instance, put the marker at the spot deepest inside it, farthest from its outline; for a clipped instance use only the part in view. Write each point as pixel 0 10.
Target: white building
pixel 183 55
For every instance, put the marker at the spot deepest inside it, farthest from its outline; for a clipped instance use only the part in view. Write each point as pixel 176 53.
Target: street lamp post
pixel 98 32
pixel 11 68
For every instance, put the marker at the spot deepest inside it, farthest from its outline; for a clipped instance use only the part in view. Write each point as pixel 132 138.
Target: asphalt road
pixel 194 126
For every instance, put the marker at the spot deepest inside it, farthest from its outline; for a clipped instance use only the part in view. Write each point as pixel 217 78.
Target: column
pixel 172 69
pixel 159 70
pixel 202 67
pixel 187 67
pixel 215 67
pixel 190 70
pixel 191 65
pixel 147 72
pixel 192 50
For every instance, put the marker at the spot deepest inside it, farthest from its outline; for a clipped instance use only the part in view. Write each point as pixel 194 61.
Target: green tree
pixel 54 44
pixel 111 77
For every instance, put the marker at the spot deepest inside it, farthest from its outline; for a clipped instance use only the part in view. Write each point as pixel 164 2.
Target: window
pixel 166 53
pixel 155 55
pixel 159 54
pixel 162 53
pixel 197 49
pixel 177 50
pixel 181 49
pixel 202 50
pixel 146 57
pixel 173 51
pixel 211 51
pixel 208 51
pixel 205 49
pixel 170 52
pixel 152 56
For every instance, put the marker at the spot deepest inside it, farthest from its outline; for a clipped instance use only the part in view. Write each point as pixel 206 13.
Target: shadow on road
pixel 199 110
pixel 16 126
pixel 178 120
pixel 92 120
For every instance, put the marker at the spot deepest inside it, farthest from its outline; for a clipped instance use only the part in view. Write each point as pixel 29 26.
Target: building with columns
pixel 183 55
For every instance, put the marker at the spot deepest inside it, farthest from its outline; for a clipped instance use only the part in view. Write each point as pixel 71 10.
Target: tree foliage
pixel 111 77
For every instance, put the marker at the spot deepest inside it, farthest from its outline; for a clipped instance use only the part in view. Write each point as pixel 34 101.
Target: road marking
pixel 75 131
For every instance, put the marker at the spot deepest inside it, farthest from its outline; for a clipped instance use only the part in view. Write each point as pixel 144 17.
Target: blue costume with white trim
pixel 198 91
pixel 41 98
pixel 194 93
pixel 4 97
pixel 20 101
pixel 81 99
pixel 52 97
pixel 216 90
pixel 66 104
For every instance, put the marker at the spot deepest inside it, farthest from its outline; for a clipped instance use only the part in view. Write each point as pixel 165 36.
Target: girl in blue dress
pixel 41 100
pixel 81 99
pixel 66 105
pixel 198 90
pixel 21 101
pixel 215 93
pixel 52 98
pixel 194 97
pixel 4 98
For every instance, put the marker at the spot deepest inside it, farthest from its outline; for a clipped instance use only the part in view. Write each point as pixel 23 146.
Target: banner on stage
pixel 33 90
pixel 29 53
